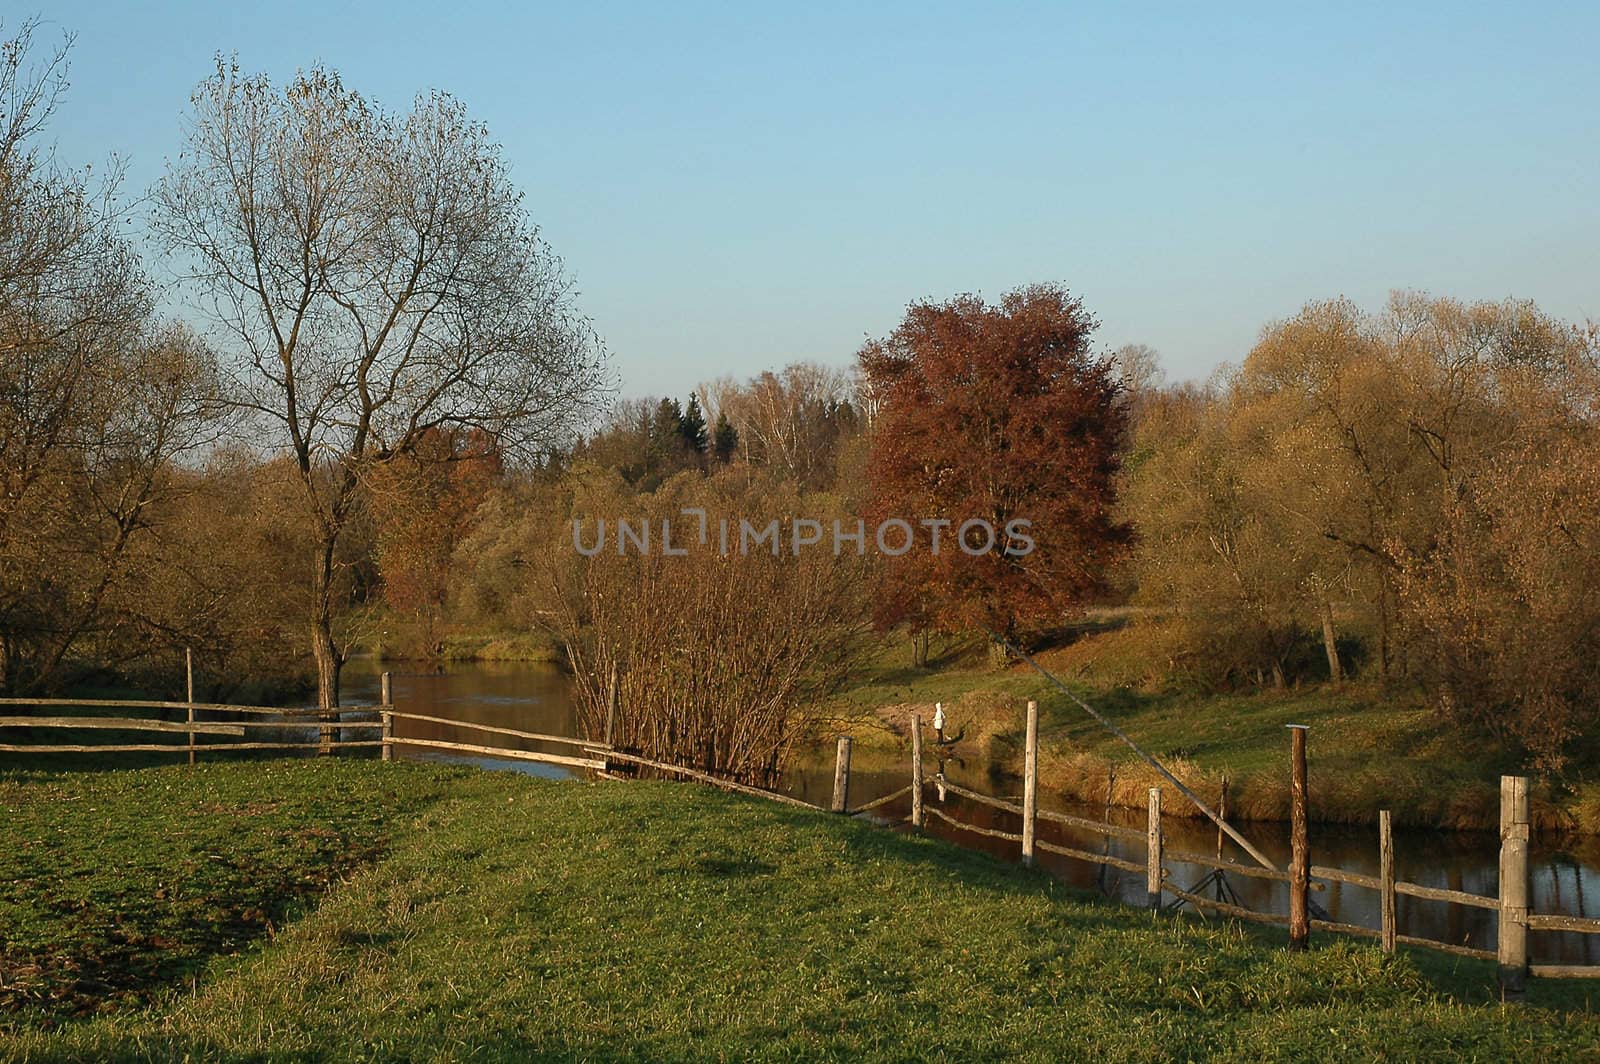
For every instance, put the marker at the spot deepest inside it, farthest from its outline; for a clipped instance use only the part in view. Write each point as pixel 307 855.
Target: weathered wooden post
pixel 1152 852
pixel 1513 951
pixel 611 707
pixel 1299 843
pixel 841 775
pixel 188 687
pixel 1386 879
pixel 1030 783
pixel 386 696
pixel 916 771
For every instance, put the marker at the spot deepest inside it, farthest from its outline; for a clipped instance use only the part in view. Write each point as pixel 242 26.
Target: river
pixel 1566 872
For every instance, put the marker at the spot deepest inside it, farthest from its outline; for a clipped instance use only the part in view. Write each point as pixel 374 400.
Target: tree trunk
pixel 329 662
pixel 1330 644
pixel 999 656
pixel 919 649
pixel 324 649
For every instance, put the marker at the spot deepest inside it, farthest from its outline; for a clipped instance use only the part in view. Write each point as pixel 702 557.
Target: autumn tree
pixel 1223 562
pixel 1505 611
pixel 377 279
pixel 97 395
pixel 424 503
pixel 1141 375
pixel 994 412
pixel 1403 480
pixel 792 422
pixel 223 573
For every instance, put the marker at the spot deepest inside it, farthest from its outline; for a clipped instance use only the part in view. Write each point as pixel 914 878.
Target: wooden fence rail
pixel 607 755
pixel 330 729
pixel 1510 903
pixel 191 728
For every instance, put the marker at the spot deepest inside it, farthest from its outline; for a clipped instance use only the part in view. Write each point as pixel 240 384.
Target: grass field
pixel 360 910
pixel 1370 749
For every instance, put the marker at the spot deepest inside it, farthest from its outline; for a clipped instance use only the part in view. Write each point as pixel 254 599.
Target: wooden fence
pixel 239 722
pixel 1510 904
pixel 242 722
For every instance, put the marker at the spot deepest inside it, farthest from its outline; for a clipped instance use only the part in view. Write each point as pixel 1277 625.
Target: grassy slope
pixel 1367 751
pixel 514 918
pixel 463 644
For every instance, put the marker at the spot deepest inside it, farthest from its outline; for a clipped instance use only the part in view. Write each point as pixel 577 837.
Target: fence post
pixel 1513 951
pixel 841 775
pixel 386 696
pixel 916 771
pixel 1030 783
pixel 1386 879
pixel 1152 852
pixel 188 688
pixel 611 707
pixel 1299 843
pixel 1105 847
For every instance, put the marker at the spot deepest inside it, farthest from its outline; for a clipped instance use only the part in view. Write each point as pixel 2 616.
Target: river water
pixel 1566 872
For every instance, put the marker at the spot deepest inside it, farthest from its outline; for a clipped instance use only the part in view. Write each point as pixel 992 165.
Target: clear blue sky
pixel 735 188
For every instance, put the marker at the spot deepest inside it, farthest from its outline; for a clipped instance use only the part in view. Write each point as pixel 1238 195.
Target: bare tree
pixel 1139 370
pixel 379 278
pixel 97 397
pixel 717 655
pixel 792 420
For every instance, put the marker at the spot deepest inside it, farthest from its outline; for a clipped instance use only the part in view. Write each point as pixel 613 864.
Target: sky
pixel 739 186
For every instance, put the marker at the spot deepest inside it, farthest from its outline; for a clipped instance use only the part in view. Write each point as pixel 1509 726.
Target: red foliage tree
pixel 999 413
pixel 424 504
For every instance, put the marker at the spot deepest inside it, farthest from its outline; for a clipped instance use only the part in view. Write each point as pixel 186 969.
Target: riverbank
pixel 394 911
pixel 1370 749
pixel 499 645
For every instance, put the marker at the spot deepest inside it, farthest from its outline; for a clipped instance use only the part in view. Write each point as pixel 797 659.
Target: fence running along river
pixel 1510 903
pixel 312 730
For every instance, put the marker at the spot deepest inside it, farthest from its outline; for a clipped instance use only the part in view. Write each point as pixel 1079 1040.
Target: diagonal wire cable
pixel 1216 818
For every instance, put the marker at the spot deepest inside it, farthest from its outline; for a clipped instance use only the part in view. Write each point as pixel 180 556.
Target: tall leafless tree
pixel 378 277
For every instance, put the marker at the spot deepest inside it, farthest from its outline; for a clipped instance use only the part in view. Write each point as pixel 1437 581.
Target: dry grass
pixel 1371 748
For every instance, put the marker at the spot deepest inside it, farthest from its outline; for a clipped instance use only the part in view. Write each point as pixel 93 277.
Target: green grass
pixel 469 915
pixel 1369 749
pixel 114 885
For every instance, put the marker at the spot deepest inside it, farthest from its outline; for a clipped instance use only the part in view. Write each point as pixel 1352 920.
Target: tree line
pixel 1406 493
pixel 376 301
pixel 384 410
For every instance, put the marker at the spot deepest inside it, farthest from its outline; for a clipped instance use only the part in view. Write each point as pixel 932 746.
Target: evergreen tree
pixel 692 427
pixel 667 423
pixel 726 440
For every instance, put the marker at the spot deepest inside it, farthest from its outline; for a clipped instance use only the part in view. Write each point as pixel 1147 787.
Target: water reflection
pixel 526 696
